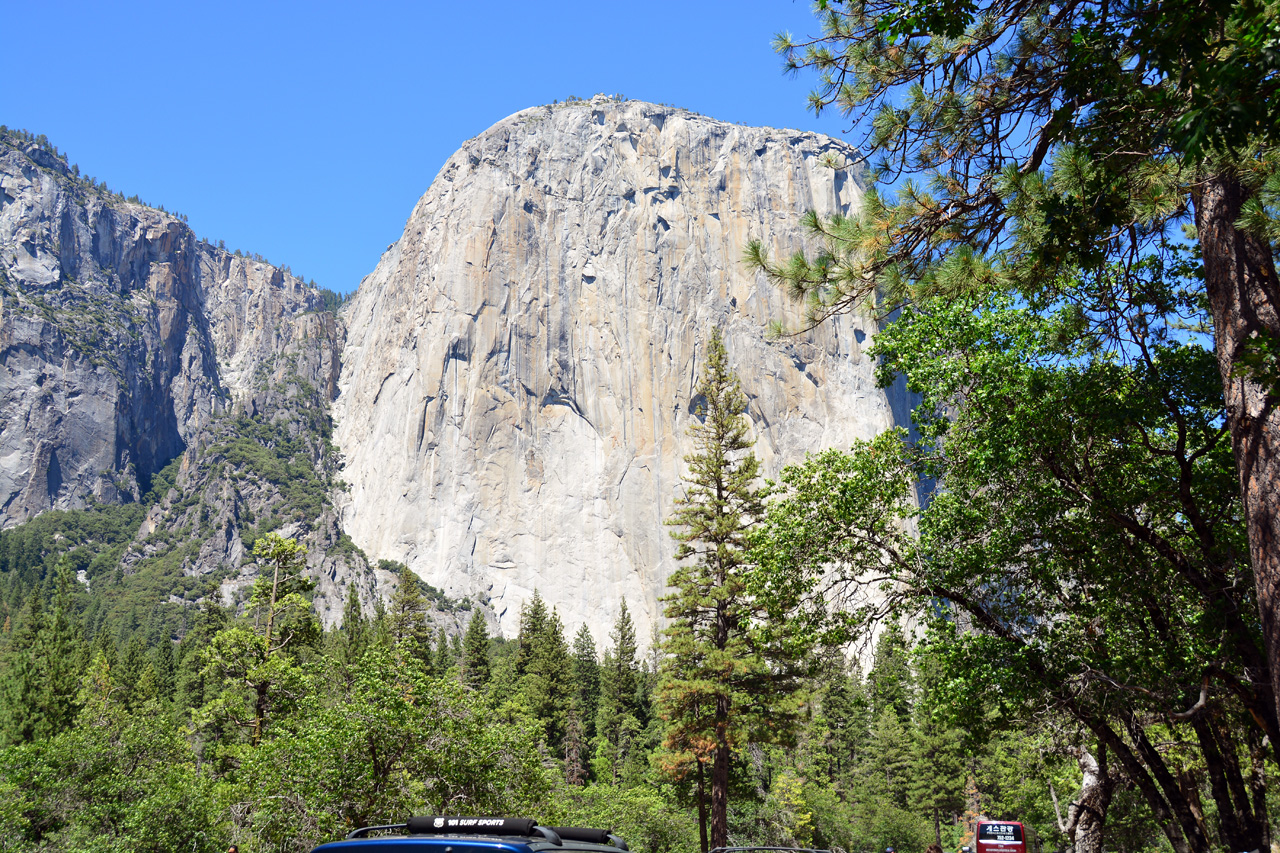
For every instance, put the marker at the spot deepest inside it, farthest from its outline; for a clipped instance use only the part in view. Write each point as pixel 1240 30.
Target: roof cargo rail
pixel 508 827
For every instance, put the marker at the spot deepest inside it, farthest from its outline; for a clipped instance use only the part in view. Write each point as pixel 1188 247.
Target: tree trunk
pixel 1258 786
pixel 720 796
pixel 259 713
pixel 1235 811
pixel 1244 297
pixel 1192 825
pixel 720 776
pixel 1087 816
pixel 1137 773
pixel 702 809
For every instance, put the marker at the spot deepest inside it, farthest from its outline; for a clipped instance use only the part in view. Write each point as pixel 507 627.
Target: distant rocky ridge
pixel 127 343
pixel 123 336
pixel 520 368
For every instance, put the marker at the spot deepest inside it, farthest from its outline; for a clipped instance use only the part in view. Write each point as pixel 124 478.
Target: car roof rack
pixel 458 825
pixel 513 826
pixel 589 835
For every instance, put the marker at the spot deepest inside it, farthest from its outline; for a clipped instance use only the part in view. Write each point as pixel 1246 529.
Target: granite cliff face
pixel 520 368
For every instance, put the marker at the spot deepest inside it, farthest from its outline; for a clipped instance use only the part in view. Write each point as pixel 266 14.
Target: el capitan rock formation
pixel 520 367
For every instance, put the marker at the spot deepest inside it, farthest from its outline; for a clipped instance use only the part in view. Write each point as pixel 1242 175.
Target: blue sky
pixel 306 132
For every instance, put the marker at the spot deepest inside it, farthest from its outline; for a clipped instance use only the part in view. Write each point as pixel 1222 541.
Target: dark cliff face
pixel 122 336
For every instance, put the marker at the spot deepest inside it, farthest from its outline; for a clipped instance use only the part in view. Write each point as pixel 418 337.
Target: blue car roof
pixel 456 844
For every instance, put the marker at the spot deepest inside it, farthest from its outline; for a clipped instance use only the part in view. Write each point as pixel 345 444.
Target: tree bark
pixel 1235 811
pixel 1164 816
pixel 702 810
pixel 1244 298
pixel 720 776
pixel 1087 816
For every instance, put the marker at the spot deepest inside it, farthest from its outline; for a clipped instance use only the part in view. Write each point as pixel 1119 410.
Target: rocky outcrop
pixel 520 368
pixel 126 344
pixel 122 335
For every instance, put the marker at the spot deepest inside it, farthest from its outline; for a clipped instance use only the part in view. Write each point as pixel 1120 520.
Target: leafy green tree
pixel 257 667
pixel 115 781
pixel 643 816
pixel 719 690
pixel 395 742
pixel 1087 536
pixel 1063 140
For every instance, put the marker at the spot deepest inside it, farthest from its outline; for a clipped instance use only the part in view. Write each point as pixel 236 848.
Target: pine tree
pixel 128 676
pixel 616 720
pixel 444 654
pixel 626 672
pixel 475 653
pixel 23 721
pixel 939 760
pixel 848 714
pixel 42 664
pixel 890 680
pixel 379 631
pixel 407 626
pixel 355 628
pixel 889 757
pixel 64 655
pixel 542 663
pixel 718 690
pixel 189 679
pixel 573 746
pixel 533 624
pixel 585 673
pixel 255 669
pixel 164 669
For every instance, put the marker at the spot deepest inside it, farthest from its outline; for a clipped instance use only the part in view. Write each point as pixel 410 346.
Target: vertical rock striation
pixel 520 368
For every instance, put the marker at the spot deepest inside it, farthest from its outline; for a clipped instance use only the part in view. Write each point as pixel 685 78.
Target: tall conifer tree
pixel 616 721
pixel 475 652
pixel 718 691
pixel 407 620
pixel 542 662
pixel 355 628
pixel 586 680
